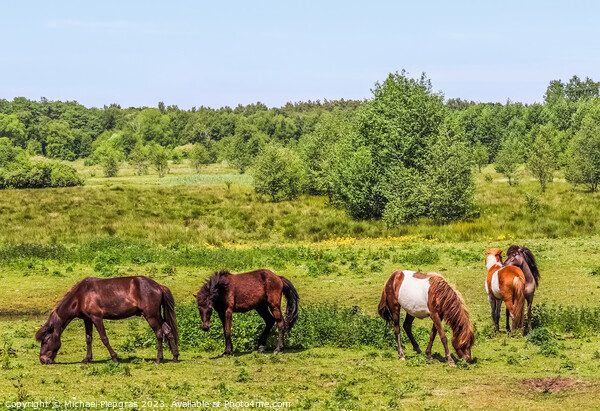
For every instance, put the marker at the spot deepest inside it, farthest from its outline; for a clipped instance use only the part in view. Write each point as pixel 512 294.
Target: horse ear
pixel 42 332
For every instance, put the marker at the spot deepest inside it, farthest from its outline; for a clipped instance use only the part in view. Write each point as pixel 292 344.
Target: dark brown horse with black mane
pixel 427 295
pixel 522 257
pixel 259 290
pixel 94 299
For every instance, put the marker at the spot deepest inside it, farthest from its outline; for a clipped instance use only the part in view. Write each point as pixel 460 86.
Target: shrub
pixel 278 173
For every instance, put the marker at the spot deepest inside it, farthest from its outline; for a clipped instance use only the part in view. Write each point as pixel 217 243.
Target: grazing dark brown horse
pixel 427 295
pixel 504 283
pixel 258 290
pixel 522 257
pixel 94 299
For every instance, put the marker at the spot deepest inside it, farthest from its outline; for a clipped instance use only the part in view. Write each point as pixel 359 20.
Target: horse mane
pixel 215 284
pixel 54 320
pixel 515 250
pixel 452 308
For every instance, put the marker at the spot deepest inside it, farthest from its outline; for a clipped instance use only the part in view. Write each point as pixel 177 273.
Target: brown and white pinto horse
pixel 427 295
pixel 523 258
pixel 94 299
pixel 504 283
pixel 259 290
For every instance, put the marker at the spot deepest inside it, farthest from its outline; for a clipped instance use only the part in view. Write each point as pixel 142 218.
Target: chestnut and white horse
pixel 504 283
pixel 427 295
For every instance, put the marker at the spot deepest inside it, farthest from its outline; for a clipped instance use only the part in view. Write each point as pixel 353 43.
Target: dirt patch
pixel 551 384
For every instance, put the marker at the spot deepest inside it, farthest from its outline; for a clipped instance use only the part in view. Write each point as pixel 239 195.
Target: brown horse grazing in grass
pixel 94 299
pixel 523 258
pixel 258 290
pixel 427 295
pixel 504 283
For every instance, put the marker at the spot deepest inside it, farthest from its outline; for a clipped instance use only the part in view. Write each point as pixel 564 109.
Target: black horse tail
pixel 291 295
pixel 168 304
pixel 530 260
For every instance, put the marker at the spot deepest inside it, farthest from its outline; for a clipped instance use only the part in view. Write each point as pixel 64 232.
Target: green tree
pixel 277 173
pixel 59 141
pixel 583 166
pixel 508 159
pixel 481 155
pixel 159 158
pixel 450 187
pixel 12 128
pixel 199 155
pixel 384 157
pixel 542 158
pixel 140 159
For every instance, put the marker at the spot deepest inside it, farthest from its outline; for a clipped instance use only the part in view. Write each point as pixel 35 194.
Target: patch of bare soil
pixel 551 384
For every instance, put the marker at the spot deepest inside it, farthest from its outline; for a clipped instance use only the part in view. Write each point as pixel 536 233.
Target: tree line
pixel 403 154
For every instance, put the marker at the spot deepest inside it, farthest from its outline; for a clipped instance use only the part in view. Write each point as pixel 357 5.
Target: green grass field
pixel 181 228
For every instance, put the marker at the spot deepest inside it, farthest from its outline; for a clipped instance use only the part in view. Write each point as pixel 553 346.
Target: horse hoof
pixel 402 358
pixel 85 360
pixel 175 360
pixel 115 359
pixel 451 363
pixel 261 349
pixel 227 354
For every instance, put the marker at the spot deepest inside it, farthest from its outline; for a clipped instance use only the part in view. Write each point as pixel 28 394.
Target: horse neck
pixel 63 315
pixel 491 261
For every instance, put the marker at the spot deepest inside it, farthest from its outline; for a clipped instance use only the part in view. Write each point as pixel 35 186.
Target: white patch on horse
pixel 496 286
pixel 414 294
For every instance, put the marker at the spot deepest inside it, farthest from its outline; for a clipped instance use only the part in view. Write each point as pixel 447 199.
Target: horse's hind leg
pixel 168 333
pixel 156 325
pixel 89 330
pixel 269 321
pixel 408 329
pixel 495 307
pixel 396 321
pixel 102 332
pixel 507 320
pixel 280 327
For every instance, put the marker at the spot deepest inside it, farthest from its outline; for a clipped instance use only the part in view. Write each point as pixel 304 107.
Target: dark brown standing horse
pixel 258 290
pixel 427 295
pixel 522 257
pixel 93 299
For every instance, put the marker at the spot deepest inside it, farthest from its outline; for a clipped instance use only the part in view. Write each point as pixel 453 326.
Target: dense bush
pixel 39 174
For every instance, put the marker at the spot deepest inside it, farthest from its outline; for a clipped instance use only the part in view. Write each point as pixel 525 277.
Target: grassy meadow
pixel 183 227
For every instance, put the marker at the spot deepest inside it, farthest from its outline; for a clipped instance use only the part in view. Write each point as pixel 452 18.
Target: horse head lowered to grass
pixel 427 295
pixel 259 290
pixel 94 299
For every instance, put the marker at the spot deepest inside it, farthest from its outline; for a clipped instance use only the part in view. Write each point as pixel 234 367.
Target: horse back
pixel 121 297
pixel 247 291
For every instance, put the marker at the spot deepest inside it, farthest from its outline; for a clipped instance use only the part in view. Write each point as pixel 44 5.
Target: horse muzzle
pixel 46 360
pixel 205 327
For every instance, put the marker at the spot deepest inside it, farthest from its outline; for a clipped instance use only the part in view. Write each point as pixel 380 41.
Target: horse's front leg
pixel 507 320
pixel 89 330
pixel 529 315
pixel 102 332
pixel 437 323
pixel 226 319
pixel 408 329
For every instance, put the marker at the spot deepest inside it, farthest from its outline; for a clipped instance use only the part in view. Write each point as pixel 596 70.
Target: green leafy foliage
pixel 278 173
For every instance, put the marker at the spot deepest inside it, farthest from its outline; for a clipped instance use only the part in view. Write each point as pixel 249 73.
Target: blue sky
pixel 217 53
